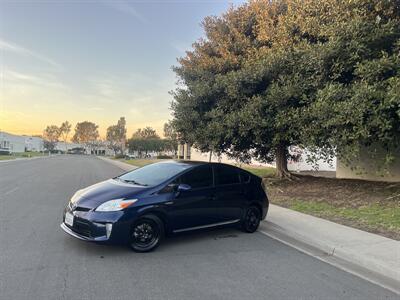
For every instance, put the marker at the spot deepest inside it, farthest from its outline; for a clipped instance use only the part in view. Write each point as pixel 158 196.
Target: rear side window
pixel 199 177
pixel 226 175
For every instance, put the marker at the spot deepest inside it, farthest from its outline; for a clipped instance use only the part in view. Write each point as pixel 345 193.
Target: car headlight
pixel 115 205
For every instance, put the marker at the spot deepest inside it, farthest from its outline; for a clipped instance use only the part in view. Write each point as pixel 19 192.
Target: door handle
pixel 169 202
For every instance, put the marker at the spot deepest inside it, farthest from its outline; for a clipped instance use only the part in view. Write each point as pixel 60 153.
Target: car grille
pixel 82 228
pixel 80 208
pixel 71 207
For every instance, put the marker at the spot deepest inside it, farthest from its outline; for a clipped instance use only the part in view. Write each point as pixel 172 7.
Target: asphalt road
pixel 39 261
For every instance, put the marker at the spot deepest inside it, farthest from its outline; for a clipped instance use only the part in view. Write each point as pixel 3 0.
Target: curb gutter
pixel 370 256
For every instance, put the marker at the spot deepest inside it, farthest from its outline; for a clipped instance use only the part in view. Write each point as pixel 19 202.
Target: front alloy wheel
pixel 146 233
pixel 251 219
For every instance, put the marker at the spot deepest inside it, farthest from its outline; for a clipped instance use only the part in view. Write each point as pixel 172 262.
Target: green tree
pixel 358 108
pixel 116 136
pixel 146 133
pixel 65 129
pixel 147 140
pixel 86 133
pixel 266 71
pixel 50 136
pixel 143 146
pixel 171 137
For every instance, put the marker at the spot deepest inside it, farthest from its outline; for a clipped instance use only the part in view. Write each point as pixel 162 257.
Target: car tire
pixel 146 233
pixel 251 219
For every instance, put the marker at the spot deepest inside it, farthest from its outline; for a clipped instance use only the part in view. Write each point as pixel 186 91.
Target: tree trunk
pixel 281 162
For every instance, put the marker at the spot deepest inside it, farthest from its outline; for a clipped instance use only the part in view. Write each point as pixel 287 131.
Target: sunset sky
pixel 93 60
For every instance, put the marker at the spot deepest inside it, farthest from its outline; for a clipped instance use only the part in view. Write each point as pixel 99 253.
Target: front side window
pixel 226 175
pixel 199 177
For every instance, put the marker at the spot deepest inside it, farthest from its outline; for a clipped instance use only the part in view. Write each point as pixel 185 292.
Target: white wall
pixel 300 165
pixel 367 166
pixel 61 146
pixel 33 143
pixel 196 154
pixel 11 142
pixel 303 165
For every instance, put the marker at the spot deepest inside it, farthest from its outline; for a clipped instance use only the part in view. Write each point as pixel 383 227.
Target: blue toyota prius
pixel 142 206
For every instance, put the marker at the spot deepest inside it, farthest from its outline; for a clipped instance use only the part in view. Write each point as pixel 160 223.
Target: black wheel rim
pixel 252 219
pixel 145 235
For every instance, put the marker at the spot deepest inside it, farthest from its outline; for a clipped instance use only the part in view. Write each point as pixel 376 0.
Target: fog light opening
pixel 108 229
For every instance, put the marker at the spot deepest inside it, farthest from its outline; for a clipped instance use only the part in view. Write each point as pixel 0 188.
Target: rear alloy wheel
pixel 251 219
pixel 146 233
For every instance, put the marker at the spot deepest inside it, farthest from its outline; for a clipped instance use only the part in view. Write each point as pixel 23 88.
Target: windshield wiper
pixel 133 181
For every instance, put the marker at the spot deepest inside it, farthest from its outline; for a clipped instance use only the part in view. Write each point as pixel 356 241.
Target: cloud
pixel 11 47
pixel 125 7
pixel 130 93
pixel 22 79
pixel 96 108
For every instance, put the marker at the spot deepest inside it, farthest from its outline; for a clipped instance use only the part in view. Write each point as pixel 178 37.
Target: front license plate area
pixel 69 219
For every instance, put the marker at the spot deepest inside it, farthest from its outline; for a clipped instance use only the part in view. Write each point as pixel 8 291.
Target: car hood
pixel 96 194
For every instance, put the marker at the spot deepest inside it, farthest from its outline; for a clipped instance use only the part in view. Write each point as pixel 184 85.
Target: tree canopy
pixel 116 136
pixel 322 74
pixel 85 133
pixel 145 133
pixel 65 129
pixel 171 136
pixel 51 134
pixel 147 140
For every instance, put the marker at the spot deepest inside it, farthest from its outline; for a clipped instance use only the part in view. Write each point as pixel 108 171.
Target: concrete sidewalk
pixel 376 254
pixel 119 164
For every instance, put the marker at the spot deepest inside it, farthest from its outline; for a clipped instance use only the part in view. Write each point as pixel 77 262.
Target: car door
pixel 230 195
pixel 194 207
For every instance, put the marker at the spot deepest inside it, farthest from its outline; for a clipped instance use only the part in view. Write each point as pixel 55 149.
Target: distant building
pixel 11 143
pixel 34 143
pixel 64 147
pixel 99 148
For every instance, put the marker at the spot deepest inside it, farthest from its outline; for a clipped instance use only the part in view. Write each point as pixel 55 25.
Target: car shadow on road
pixel 192 242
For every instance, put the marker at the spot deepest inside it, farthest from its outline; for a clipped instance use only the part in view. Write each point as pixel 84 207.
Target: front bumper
pixel 92 226
pixel 82 237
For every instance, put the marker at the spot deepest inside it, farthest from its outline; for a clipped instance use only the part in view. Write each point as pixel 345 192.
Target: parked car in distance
pixel 130 156
pixel 76 150
pixel 144 205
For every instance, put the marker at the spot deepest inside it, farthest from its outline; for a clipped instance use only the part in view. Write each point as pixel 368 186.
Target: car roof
pixel 195 163
pixel 183 162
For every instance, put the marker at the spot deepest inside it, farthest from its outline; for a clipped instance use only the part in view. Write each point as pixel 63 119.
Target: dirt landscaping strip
pixel 366 205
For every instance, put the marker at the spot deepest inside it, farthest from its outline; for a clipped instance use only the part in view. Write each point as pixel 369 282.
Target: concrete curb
pixel 27 158
pixel 376 257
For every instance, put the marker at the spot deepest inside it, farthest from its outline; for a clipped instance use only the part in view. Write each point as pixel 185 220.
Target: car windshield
pixel 153 174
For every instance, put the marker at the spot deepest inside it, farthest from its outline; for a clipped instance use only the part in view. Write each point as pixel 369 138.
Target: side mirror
pixel 183 187
pixel 177 188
